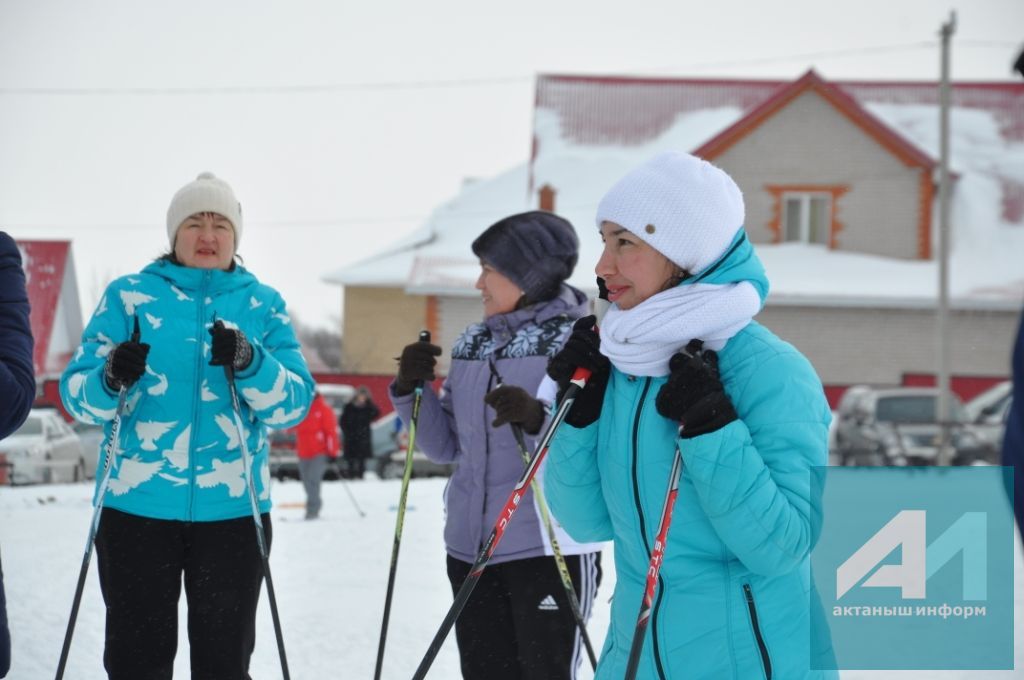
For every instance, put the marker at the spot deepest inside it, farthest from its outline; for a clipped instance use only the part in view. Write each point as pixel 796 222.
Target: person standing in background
pixel 17 379
pixel 316 444
pixel 355 421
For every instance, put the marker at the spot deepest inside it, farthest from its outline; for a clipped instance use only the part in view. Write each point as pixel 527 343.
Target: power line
pixel 382 86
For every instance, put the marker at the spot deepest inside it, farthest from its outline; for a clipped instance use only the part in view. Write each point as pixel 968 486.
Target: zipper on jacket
pixel 643 524
pixel 766 662
pixel 197 395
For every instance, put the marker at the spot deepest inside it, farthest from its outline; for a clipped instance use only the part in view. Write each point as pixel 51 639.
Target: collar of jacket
pixel 191 278
pixel 569 301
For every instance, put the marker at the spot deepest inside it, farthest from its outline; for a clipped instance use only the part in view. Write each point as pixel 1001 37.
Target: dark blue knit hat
pixel 536 250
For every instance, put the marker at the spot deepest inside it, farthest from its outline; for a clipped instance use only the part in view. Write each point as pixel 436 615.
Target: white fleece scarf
pixel 641 340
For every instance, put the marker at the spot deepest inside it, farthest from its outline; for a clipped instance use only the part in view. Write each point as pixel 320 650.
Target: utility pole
pixel 942 405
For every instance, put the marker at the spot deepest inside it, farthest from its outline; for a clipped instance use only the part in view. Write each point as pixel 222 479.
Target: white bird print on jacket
pixel 182 297
pixel 228 474
pixel 154 321
pixel 260 401
pixel 161 386
pixel 148 431
pixel 208 394
pixel 177 455
pixel 133 298
pixel 131 473
pixel 227 426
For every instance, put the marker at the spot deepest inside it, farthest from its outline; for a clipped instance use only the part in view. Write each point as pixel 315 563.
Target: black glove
pixel 694 395
pixel 416 365
pixel 125 364
pixel 230 347
pixel 515 405
pixel 582 350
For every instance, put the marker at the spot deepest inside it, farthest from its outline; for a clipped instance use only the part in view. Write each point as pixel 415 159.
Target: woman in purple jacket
pixel 517 625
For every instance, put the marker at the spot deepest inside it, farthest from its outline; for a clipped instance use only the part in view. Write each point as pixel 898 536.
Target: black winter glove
pixel 515 405
pixel 230 347
pixel 582 350
pixel 694 395
pixel 126 363
pixel 416 365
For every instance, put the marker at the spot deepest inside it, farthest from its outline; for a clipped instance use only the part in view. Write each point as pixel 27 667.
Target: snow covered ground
pixel 330 576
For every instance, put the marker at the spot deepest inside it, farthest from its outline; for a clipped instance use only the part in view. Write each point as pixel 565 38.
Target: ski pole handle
pixel 424 337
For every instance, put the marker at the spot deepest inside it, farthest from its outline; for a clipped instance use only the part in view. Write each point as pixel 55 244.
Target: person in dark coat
pixel 17 379
pixel 1013 439
pixel 355 421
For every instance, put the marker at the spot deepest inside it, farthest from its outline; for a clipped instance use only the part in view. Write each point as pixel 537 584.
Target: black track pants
pixel 517 625
pixel 141 562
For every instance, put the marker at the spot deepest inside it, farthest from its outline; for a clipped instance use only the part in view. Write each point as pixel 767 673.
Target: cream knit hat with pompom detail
pixel 684 207
pixel 208 193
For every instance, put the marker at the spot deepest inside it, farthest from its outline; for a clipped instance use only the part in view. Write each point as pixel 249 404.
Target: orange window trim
pixel 778 190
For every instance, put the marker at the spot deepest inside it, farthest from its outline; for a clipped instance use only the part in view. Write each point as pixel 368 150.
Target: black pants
pixel 141 562
pixel 517 625
pixel 356 467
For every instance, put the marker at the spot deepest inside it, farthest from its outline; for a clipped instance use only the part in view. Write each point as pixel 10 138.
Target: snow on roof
pixel 588 131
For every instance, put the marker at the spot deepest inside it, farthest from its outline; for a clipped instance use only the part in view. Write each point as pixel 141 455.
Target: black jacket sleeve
pixel 17 375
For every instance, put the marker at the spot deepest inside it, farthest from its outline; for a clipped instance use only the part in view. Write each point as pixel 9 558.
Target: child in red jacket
pixel 316 443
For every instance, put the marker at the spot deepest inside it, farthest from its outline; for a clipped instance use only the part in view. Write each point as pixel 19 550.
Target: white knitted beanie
pixel 207 193
pixel 684 207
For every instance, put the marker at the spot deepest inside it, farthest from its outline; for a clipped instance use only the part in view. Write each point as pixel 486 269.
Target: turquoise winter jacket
pixel 180 457
pixel 734 596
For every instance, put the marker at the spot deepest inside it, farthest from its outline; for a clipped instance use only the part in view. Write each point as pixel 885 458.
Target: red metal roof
pixel 598 110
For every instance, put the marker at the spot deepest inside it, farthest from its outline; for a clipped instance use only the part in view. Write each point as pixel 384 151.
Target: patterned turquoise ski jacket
pixel 180 457
pixel 734 597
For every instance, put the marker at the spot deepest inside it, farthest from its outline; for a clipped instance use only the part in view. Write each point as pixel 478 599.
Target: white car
pixel 44 450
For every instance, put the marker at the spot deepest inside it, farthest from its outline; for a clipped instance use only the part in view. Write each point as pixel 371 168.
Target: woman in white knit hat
pixel 679 362
pixel 177 505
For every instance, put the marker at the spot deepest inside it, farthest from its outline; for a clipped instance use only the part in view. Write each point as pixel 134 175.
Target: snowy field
pixel 330 576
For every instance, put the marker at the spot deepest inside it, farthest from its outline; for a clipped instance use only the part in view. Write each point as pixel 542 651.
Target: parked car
pixel 91 437
pixel 390 441
pixel 897 426
pixel 44 450
pixel 987 414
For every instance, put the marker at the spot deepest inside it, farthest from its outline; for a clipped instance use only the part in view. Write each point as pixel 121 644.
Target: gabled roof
pixel 843 103
pixel 589 130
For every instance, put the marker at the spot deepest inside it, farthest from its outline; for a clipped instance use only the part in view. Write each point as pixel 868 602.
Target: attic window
pixel 805 213
pixel 807 217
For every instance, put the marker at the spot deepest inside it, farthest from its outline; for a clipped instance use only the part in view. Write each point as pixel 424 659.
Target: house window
pixel 807 217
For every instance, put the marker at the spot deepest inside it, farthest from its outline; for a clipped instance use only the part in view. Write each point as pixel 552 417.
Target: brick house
pixel 840 184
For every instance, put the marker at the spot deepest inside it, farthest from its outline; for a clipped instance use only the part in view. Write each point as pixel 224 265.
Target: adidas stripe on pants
pixel 517 624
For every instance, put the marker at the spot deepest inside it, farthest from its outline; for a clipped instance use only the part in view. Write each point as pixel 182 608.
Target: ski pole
pixel 400 520
pixel 563 568
pixel 352 496
pixel 261 538
pixel 657 554
pixel 108 465
pixel 579 380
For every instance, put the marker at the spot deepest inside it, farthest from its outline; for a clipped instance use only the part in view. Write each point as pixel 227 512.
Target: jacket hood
pixel 191 278
pixel 738 263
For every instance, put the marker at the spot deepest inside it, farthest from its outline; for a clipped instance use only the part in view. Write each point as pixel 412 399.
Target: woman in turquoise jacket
pixel 679 362
pixel 177 503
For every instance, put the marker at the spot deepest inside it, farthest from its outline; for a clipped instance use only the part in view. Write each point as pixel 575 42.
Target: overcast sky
pixel 342 125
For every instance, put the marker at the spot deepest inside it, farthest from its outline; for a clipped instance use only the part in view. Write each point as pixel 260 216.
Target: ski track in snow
pixel 330 577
